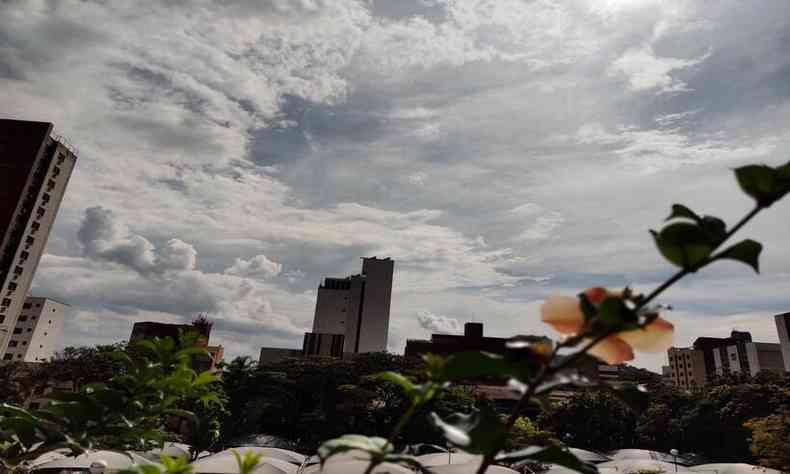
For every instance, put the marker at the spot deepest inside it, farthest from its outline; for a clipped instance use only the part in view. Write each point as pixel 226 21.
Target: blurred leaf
pixel 747 251
pixel 374 446
pixel 683 244
pixel 759 182
pixel 617 315
pixel 397 379
pixel 549 455
pixel 681 211
pixel 478 432
pixel 635 397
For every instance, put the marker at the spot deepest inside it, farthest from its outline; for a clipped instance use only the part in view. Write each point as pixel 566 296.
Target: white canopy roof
pixel 732 468
pixel 470 468
pixel 355 467
pixel 627 466
pixel 225 462
pixel 443 459
pixel 115 461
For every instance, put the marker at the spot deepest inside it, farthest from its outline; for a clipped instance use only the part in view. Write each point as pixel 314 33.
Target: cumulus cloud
pixel 646 71
pixel 258 266
pixel 437 323
pixel 103 237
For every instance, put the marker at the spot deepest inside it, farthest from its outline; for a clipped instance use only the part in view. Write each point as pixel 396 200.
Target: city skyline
pixel 499 152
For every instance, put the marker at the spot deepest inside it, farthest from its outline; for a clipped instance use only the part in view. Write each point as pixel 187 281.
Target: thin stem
pixel 401 423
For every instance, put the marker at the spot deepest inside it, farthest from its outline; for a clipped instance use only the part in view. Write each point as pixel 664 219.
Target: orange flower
pixel 565 315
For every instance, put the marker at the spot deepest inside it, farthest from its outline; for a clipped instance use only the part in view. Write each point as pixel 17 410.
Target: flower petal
pixel 563 314
pixel 655 337
pixel 612 350
pixel 596 294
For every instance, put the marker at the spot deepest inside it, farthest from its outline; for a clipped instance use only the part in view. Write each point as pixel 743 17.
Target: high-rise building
pixel 35 167
pixel 38 331
pixel 783 328
pixel 357 306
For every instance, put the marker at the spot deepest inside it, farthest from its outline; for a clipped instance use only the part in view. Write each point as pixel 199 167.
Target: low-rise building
pixel 38 331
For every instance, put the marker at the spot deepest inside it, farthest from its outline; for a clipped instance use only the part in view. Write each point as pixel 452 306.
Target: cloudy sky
pixel 232 153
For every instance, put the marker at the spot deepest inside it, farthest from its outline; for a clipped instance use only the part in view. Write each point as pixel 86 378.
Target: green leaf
pixel 399 380
pixel 549 455
pixel 759 182
pixel 680 211
pixel 479 432
pixel 635 397
pixel 375 446
pixel 715 228
pixel 466 365
pixel 616 314
pixel 205 378
pixel 746 251
pixel 683 244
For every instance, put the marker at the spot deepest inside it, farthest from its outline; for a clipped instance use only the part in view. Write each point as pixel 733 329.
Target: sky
pixel 234 153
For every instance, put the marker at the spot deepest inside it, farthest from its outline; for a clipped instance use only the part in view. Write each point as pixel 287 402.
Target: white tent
pixel 225 462
pixel 282 454
pixel 115 461
pixel 626 466
pixel 557 469
pixel 469 468
pixel 441 459
pixel 732 468
pixel 45 458
pixel 588 456
pixel 355 467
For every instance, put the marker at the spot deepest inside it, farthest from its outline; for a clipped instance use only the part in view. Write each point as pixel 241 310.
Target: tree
pixel 593 420
pixel 769 439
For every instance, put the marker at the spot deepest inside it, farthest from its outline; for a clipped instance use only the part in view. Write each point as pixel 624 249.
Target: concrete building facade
pixel 323 344
pixel 38 332
pixel 783 328
pixel 357 306
pixel 712 357
pixel 35 167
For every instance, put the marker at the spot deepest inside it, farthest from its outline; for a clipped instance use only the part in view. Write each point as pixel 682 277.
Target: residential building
pixel 687 367
pixel 712 357
pixel 35 167
pixel 357 307
pixel 783 328
pixel 38 331
pixel 151 329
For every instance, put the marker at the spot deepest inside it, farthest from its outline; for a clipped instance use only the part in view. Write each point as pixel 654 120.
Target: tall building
pixel 712 357
pixel 38 331
pixel 357 307
pixel 783 328
pixel 35 167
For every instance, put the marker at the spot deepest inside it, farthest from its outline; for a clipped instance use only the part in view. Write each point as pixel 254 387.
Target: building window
pixel 18 270
pixel 2 319
pixel 19 356
pixel 45 198
pixel 6 302
pixel 50 185
pixel 13 343
pixel 12 287
pixel 29 329
pixel 40 211
pixel 26 306
pixel 30 240
pixel 24 343
pixel 55 171
pixel 34 227
pixel 8 356
pixel 24 255
pixel 22 319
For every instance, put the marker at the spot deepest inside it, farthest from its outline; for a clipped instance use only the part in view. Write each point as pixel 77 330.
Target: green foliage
pixel 127 412
pixel 247 462
pixel 769 439
pixel 764 184
pixel 477 432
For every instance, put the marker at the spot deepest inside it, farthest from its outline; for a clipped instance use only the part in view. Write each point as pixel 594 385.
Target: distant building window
pixel 24 343
pixel 34 227
pixel 45 197
pixel 22 319
pixel 29 329
pixel 55 171
pixel 26 306
pixel 6 302
pixel 50 185
pixel 8 356
pixel 2 319
pixel 13 343
pixel 30 240
pixel 24 255
pixel 18 270
pixel 40 211
pixel 19 356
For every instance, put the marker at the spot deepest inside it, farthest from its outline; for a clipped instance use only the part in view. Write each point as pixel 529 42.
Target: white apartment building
pixel 38 331
pixel 35 167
